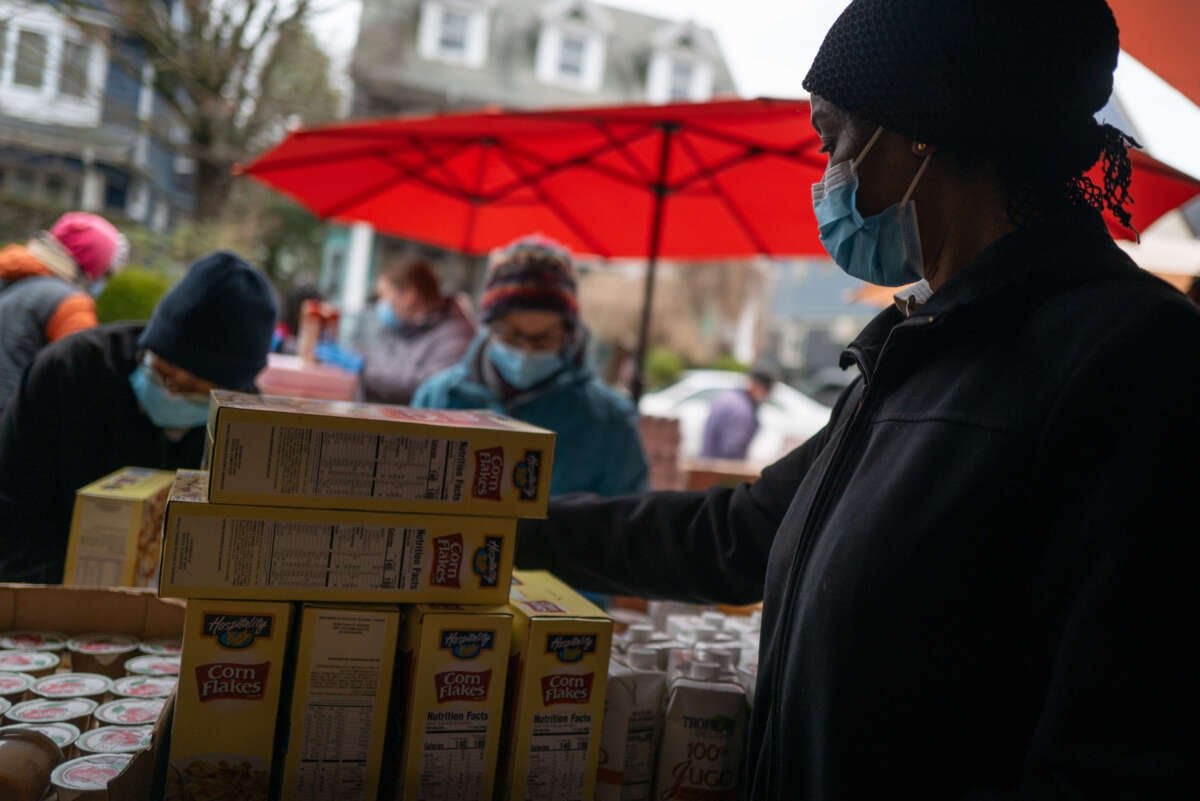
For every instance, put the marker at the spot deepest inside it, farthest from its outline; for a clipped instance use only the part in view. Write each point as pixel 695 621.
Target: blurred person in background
pixel 733 417
pixel 47 288
pixel 124 394
pixel 529 363
pixel 287 329
pixel 978 578
pixel 419 332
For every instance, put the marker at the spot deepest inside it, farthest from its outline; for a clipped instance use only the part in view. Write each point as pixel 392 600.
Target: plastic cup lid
pixel 63 734
pixel 51 710
pixel 131 711
pixel 145 686
pixel 102 643
pixel 15 682
pixel 116 739
pixel 72 685
pixel 161 647
pixel 154 665
pixel 22 640
pixel 23 661
pixel 90 772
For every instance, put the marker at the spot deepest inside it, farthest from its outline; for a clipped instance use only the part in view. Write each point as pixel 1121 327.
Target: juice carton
pixel 216 550
pixel 116 528
pixel 227 702
pixel 561 647
pixel 339 703
pixel 338 455
pixel 633 719
pixel 449 702
pixel 704 736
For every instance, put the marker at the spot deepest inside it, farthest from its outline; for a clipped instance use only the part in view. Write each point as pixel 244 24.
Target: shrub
pixel 131 294
pixel 727 362
pixel 663 368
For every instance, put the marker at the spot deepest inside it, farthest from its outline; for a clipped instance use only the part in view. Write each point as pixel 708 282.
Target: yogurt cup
pixel 76 711
pixel 144 686
pixel 73 685
pixel 23 640
pixel 130 712
pixel 115 740
pixel 33 663
pixel 163 647
pixel 87 778
pixel 14 686
pixel 27 759
pixel 101 653
pixel 152 665
pixel 64 735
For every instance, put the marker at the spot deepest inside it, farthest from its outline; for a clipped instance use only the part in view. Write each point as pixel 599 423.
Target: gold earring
pixel 920 147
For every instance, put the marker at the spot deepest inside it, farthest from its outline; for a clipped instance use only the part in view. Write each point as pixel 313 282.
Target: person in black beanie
pixel 125 394
pixel 976 578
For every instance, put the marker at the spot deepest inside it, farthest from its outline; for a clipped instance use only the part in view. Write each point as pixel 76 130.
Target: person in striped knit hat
pixel 529 362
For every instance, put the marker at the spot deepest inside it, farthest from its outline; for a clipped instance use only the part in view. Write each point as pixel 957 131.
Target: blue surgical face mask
pixel 882 249
pixel 164 408
pixel 523 369
pixel 386 316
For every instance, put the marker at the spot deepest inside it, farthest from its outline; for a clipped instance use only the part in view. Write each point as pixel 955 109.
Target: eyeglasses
pixel 548 339
pixel 184 386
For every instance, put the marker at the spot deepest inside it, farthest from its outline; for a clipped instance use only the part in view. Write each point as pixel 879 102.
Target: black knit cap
pixel 974 75
pixel 216 323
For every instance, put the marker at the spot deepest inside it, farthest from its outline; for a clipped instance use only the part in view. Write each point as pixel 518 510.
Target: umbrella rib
pixel 623 151
pixel 556 207
pixel 390 182
pixel 736 213
pixel 473 207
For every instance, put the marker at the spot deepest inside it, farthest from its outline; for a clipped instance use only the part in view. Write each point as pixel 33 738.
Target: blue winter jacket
pixel 598 448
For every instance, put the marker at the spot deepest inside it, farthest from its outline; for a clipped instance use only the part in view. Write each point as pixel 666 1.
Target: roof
pixel 386 59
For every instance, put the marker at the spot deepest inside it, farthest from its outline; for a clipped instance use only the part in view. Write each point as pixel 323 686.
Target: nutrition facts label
pixel 558 757
pixel 264 553
pixel 453 757
pixel 305 461
pixel 639 756
pixel 336 743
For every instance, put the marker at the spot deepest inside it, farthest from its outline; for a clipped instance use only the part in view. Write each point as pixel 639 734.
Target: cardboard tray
pixel 78 610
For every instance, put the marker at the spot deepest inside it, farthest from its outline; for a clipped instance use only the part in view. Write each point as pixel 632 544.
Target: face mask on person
pixel 882 249
pixel 523 369
pixel 386 316
pixel 164 408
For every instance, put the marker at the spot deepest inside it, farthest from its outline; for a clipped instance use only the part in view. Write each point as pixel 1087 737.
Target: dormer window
pixel 572 44
pixel 681 66
pixel 454 31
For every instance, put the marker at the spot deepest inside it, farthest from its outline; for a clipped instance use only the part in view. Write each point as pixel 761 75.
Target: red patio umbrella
pixel 722 179
pixel 1162 35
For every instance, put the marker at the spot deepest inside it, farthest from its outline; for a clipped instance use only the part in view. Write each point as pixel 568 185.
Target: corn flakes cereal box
pixel 561 647
pixel 116 528
pixel 227 700
pixel 339 703
pixel 217 550
pixel 449 706
pixel 338 455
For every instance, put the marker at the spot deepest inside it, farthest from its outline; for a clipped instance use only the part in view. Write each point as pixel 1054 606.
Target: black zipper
pixel 816 514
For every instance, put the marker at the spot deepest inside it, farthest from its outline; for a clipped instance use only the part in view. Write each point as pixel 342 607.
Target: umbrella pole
pixel 660 195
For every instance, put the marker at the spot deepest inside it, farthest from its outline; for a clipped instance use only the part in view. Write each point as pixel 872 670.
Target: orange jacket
pixel 75 313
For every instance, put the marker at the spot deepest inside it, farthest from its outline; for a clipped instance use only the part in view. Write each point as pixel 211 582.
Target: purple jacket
pixel 731 425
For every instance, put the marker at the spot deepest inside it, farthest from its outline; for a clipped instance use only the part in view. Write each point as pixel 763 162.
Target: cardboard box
pixel 234 667
pixel 116 528
pixel 449 707
pixel 78 610
pixel 339 703
pixel 213 550
pixel 561 646
pixel 276 451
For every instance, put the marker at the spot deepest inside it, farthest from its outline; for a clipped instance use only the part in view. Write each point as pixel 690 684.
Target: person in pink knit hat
pixel 44 288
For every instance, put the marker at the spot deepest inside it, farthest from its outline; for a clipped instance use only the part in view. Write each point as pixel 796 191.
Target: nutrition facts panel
pixel 283 553
pixel 453 760
pixel 558 760
pixel 400 468
pixel 336 742
pixel 639 756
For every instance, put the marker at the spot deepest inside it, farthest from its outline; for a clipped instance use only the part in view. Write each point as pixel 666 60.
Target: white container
pixel 32 641
pixel 76 711
pixel 115 740
pixel 33 663
pixel 88 777
pixel 704 736
pixel 15 686
pixel 633 718
pixel 144 686
pixel 73 685
pixel 130 712
pixel 64 735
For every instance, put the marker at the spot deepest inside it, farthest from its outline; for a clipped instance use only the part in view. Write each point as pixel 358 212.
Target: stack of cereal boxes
pixel 355 628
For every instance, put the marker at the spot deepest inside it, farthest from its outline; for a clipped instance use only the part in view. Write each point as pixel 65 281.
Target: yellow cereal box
pixel 115 529
pixel 449 705
pixel 339 455
pixel 215 550
pixel 561 645
pixel 227 700
pixel 339 703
